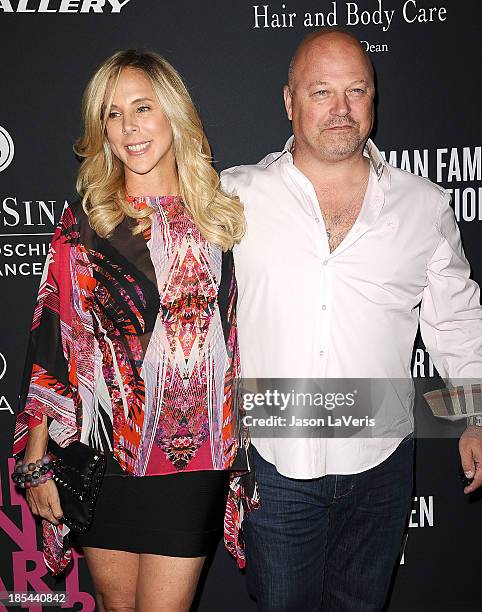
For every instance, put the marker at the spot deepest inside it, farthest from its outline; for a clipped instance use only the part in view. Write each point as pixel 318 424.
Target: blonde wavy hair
pixel 101 182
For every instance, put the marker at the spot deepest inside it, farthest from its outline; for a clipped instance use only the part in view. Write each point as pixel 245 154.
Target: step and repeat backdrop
pixel 234 57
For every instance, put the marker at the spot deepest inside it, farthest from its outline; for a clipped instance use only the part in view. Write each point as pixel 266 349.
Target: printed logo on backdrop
pixel 4 404
pixel 457 169
pixel 27 566
pixel 26 229
pixel 347 14
pixel 3 365
pixel 422 364
pixel 421 515
pixel 6 149
pixel 62 6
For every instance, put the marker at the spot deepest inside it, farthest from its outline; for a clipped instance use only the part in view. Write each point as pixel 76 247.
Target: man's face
pixel 331 99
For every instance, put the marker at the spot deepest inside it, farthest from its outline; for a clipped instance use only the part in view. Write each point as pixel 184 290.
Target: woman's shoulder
pixel 75 221
pixel 75 210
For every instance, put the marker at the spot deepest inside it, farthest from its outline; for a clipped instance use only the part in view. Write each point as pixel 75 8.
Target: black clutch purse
pixel 78 471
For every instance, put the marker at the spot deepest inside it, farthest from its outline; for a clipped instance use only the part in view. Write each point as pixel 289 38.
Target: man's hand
pixel 470 448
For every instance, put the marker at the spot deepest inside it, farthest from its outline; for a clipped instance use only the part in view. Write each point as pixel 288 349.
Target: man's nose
pixel 341 105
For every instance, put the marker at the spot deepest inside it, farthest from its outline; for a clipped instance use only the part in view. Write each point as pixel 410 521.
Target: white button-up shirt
pixel 304 312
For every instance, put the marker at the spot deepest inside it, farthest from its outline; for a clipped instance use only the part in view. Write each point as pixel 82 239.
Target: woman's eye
pixel 113 114
pixel 143 109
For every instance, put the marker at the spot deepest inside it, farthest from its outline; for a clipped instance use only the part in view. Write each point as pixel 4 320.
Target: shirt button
pixel 323 307
pixel 322 353
pixel 317 220
pixel 325 262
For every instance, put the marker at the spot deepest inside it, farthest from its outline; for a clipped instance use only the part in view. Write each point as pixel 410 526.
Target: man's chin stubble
pixel 340 149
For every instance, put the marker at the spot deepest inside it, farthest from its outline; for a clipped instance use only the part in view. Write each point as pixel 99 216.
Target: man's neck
pixel 331 174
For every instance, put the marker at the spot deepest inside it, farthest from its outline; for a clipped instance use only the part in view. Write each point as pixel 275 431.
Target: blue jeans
pixel 328 544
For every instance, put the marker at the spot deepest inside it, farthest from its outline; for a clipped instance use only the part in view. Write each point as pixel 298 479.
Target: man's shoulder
pixel 416 186
pixel 239 173
pixel 243 176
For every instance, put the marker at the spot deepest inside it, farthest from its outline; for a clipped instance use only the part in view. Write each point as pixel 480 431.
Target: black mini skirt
pixel 177 515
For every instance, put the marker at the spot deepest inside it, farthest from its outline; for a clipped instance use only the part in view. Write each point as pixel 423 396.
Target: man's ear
pixel 288 101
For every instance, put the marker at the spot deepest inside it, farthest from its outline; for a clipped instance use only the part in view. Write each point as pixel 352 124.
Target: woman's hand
pixel 44 501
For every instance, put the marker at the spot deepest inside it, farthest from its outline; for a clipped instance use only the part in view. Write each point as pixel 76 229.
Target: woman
pixel 133 347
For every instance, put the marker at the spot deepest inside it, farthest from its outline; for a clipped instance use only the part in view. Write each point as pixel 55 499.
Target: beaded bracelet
pixel 27 475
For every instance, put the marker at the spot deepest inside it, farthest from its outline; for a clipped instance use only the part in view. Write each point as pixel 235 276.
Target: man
pixel 341 249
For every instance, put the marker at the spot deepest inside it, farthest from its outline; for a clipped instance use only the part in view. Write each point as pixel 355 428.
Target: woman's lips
pixel 138 148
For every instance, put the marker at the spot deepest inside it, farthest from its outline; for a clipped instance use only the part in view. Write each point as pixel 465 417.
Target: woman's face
pixel 137 129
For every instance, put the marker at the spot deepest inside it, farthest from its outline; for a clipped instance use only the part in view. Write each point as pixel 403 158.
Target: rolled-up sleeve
pixel 451 315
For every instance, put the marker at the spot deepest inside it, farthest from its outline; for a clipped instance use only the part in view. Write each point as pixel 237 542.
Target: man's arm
pixel 451 328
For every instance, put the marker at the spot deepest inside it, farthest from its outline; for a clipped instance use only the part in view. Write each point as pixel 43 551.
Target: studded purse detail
pixel 78 472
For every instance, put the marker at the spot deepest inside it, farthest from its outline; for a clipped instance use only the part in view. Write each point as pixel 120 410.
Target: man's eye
pixel 143 109
pixel 321 92
pixel 359 90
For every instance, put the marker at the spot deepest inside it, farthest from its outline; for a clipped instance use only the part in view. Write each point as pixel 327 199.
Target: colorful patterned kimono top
pixel 134 350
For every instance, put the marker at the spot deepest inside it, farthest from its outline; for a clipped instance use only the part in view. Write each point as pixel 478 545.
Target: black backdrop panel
pixel 234 57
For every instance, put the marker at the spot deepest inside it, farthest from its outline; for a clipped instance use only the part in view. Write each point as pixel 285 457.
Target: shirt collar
pixel 371 151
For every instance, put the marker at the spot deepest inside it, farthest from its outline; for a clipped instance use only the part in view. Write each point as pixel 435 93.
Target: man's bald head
pixel 329 98
pixel 332 39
